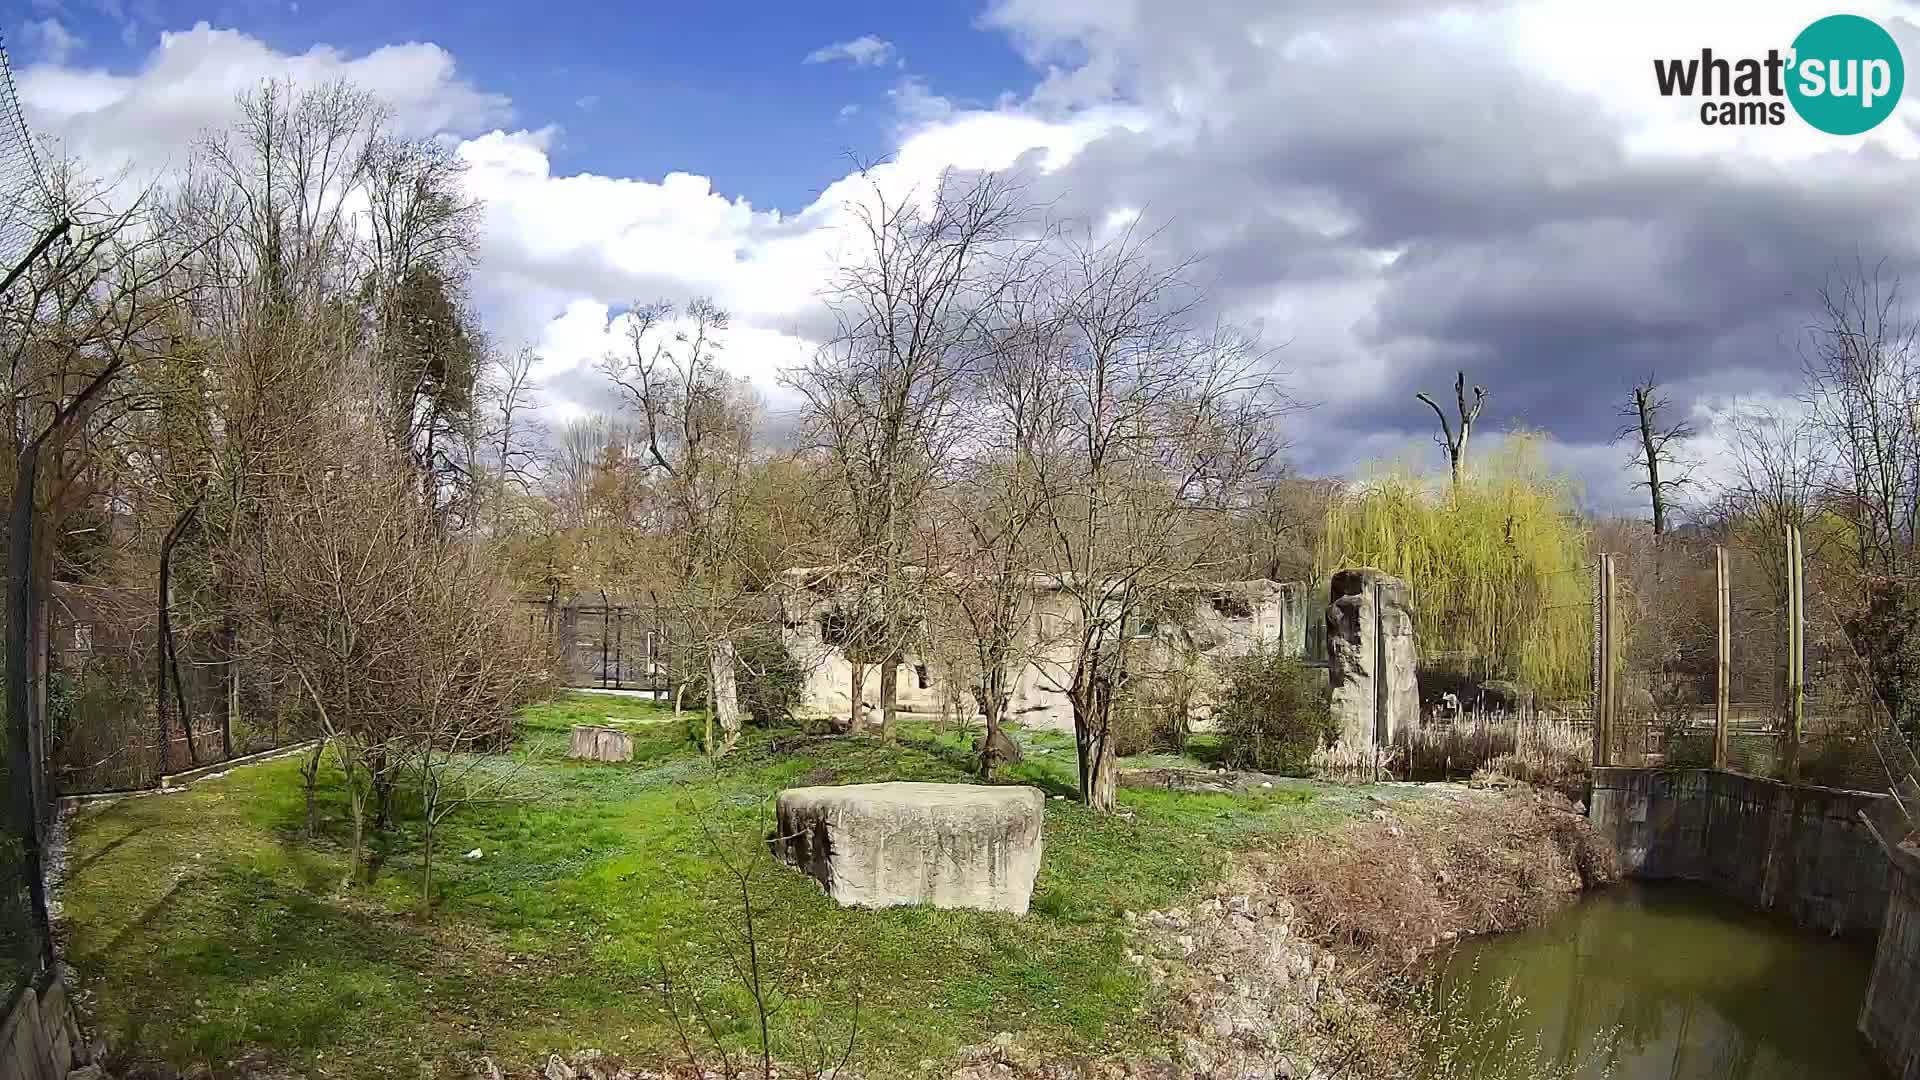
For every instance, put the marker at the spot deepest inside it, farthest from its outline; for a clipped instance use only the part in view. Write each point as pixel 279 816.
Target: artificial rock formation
pixel 884 845
pixel 591 742
pixel 1359 666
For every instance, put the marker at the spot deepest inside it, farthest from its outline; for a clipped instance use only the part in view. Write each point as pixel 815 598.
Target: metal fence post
pixel 1723 632
pixel 1796 653
pixel 1603 678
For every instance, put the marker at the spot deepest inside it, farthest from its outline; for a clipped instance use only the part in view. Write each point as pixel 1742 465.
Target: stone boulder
pixel 591 742
pixel 1354 667
pixel 884 845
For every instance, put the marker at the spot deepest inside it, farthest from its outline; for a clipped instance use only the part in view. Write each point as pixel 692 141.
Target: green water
pixel 1670 982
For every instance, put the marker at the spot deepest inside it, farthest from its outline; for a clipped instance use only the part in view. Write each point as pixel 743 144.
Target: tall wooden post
pixel 1796 653
pixel 1723 634
pixel 1604 697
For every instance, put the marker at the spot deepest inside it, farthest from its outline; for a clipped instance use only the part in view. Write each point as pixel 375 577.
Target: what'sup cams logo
pixel 1843 75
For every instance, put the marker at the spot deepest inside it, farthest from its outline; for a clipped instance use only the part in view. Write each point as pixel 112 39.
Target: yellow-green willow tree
pixel 1497 562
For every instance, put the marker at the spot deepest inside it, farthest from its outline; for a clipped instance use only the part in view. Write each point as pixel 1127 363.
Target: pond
pixel 1671 982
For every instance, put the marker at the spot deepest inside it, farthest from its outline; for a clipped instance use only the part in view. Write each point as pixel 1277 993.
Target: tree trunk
pixel 992 703
pixel 381 780
pixel 357 795
pixel 1100 776
pixel 889 695
pixel 723 699
pixel 232 673
pixel 856 694
pixel 1093 740
pixel 310 778
pixel 168 665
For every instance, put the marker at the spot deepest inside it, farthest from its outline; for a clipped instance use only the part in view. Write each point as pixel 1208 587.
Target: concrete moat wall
pixel 1890 1017
pixel 1803 853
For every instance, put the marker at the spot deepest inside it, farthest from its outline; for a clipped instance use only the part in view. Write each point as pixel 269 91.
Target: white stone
pixel 884 845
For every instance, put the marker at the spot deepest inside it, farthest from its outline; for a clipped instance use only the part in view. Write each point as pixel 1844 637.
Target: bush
pixel 767 680
pixel 1272 714
pixel 770 679
pixel 1142 727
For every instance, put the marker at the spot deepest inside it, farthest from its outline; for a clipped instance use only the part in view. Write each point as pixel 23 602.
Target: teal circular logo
pixel 1847 74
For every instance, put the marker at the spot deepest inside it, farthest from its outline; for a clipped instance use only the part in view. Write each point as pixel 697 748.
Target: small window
pixel 920 675
pixel 83 637
pixel 1145 628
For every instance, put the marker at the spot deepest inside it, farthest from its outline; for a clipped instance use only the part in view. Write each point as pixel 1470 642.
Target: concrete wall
pixel 1219 620
pixel 38 1039
pixel 1890 1016
pixel 1802 853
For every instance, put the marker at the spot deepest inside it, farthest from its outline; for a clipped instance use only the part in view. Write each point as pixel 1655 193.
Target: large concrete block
pixel 883 845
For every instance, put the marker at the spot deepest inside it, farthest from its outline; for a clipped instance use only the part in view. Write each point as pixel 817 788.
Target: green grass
pixel 206 926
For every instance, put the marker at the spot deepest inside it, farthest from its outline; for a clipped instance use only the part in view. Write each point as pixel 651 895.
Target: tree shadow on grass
pixel 229 960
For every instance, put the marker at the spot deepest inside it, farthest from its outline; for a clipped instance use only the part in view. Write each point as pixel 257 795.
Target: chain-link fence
pixel 1756 659
pixel 1742 656
pixel 23 195
pixel 108 729
pixel 24 929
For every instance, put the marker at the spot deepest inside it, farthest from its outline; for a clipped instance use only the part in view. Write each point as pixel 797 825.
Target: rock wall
pixel 1354 657
pixel 1216 621
pixel 38 1040
pixel 1803 853
pixel 1890 1016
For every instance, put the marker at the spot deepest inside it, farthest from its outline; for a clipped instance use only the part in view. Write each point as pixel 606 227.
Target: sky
pixel 1386 191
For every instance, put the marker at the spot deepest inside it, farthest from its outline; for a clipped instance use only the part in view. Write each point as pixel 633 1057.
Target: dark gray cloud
pixel 1398 200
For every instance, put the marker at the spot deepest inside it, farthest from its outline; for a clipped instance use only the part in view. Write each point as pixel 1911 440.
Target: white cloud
pixel 189 83
pixel 53 41
pixel 587 103
pixel 863 51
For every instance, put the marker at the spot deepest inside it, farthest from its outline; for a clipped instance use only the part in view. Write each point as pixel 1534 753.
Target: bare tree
pixel 1454 443
pixel 882 397
pixel 1656 456
pixel 1165 428
pixel 1863 396
pixel 696 425
pixel 96 306
pixel 513 431
pixel 996 507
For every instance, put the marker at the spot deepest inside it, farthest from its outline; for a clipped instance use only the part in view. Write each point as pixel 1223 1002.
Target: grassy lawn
pixel 206 925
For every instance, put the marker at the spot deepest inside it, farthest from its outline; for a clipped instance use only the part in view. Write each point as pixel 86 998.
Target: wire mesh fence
pixel 108 729
pixel 23 196
pixel 24 929
pixel 1850 737
pixel 1744 656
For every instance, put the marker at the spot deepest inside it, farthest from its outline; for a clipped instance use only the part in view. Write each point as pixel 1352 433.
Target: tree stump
pixel 594 743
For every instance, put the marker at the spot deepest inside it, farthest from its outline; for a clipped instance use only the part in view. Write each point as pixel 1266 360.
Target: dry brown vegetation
pixel 1383 891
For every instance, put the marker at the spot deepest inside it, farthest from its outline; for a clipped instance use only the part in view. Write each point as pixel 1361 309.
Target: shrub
pixel 1272 714
pixel 1142 726
pixel 770 679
